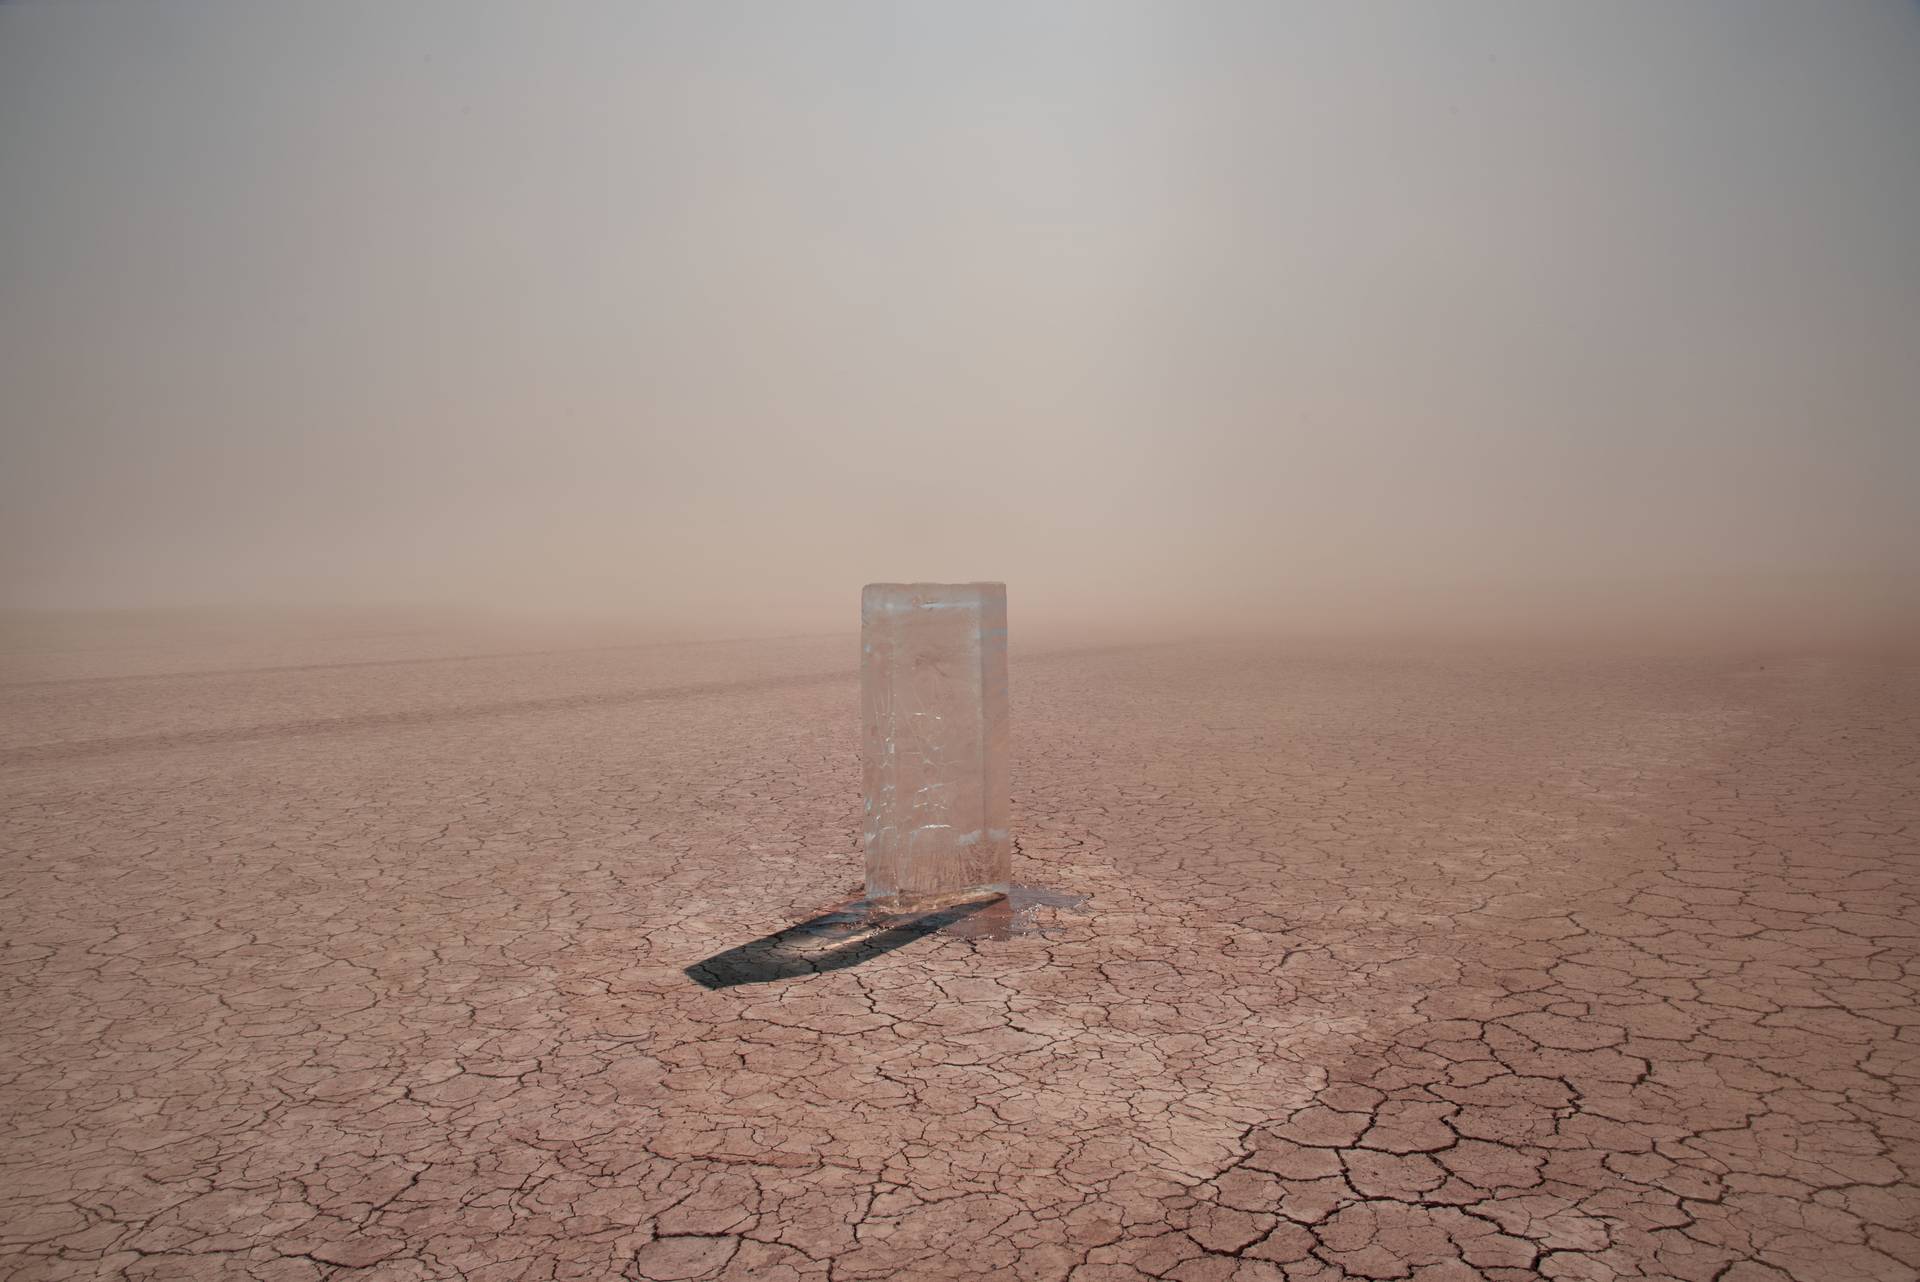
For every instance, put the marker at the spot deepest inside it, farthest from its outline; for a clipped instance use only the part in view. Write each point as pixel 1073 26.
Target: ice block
pixel 933 704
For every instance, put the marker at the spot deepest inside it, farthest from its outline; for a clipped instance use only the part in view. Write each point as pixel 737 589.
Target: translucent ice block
pixel 933 703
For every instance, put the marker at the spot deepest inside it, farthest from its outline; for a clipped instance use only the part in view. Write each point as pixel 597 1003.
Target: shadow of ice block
pixel 933 703
pixel 833 940
pixel 856 932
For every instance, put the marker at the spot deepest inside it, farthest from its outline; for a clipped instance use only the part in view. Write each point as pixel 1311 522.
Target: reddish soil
pixel 1432 964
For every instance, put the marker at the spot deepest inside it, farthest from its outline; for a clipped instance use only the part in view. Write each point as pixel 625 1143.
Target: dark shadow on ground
pixel 831 941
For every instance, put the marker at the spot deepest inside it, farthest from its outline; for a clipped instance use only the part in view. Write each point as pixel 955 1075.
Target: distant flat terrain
pixel 363 958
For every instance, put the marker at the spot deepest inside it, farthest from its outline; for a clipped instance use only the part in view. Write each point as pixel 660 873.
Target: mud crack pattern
pixel 1427 965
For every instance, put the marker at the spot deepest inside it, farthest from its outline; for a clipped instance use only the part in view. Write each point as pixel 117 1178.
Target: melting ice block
pixel 933 705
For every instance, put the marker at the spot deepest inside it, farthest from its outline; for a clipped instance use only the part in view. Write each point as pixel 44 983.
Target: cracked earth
pixel 1433 964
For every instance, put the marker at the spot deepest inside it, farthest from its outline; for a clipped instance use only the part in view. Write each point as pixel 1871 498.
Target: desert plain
pixel 361 954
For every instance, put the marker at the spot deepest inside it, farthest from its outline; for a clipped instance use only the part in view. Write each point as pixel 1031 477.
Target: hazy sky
pixel 1268 312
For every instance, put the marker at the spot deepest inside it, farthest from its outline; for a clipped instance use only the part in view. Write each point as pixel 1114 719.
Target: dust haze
pixel 441 448
pixel 1469 319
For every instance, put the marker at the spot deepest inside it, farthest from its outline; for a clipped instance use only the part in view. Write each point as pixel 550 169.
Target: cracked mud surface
pixel 1398 964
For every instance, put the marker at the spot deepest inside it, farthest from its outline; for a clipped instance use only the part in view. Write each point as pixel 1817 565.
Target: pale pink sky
pixel 1256 313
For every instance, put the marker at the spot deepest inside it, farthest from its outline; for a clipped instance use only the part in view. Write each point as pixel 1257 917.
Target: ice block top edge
pixel 899 597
